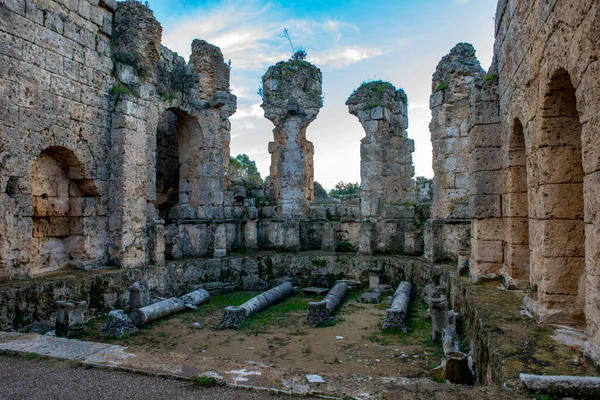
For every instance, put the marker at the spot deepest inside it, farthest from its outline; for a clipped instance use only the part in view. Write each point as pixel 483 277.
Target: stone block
pixel 487 229
pixel 485 159
pixel 564 201
pixel 485 136
pixel 485 206
pixel 561 276
pixel 479 270
pixel 559 238
pixel 487 251
pixel 369 297
pixel 560 164
pixel 516 230
pixel 486 182
pixel 515 205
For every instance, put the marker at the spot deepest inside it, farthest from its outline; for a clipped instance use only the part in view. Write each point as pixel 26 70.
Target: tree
pixel 242 168
pixel 343 189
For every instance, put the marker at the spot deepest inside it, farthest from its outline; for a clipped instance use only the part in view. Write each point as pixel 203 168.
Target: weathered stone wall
pixel 291 94
pixel 26 302
pixel 487 252
pixel 386 168
pixel 451 86
pixel 55 72
pixel 93 112
pixel 548 90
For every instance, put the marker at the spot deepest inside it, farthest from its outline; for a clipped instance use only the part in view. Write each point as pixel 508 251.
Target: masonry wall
pixel 549 91
pixel 55 68
pixel 451 86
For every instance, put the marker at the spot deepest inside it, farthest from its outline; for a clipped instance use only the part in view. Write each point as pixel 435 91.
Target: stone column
pixel 485 201
pixel 449 102
pixel 292 99
pixel 136 49
pixel 386 168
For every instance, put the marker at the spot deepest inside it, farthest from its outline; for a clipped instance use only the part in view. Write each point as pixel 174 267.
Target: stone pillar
pixel 156 242
pixel 251 235
pixel 136 49
pixel 70 318
pixel 386 168
pixel 438 309
pixel 139 296
pixel 292 99
pixel 220 244
pixel 486 179
pixel 449 102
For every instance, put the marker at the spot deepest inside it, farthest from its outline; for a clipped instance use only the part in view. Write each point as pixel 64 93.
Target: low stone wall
pixel 22 303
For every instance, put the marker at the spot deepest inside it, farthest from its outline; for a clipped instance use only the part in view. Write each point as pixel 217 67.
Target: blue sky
pixel 353 41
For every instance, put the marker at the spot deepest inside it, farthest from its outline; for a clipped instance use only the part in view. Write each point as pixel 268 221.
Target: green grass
pixel 119 89
pixel 277 315
pixel 441 86
pixel 207 381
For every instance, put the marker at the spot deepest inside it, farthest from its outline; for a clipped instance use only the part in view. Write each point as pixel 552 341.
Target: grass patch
pixel 120 89
pixel 207 381
pixel 346 247
pixel 331 322
pixel 441 86
pixel 277 315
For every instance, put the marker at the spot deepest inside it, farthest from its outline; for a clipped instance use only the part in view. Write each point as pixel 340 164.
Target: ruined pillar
pixel 485 171
pixel 136 50
pixel 291 95
pixel 449 103
pixel 386 168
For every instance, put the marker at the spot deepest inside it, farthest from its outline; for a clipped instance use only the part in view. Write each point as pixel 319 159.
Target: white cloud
pixel 254 111
pixel 343 56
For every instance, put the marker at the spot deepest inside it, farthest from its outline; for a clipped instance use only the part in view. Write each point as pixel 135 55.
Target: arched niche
pixel 63 201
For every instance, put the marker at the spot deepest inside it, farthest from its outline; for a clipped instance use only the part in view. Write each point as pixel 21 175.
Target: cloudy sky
pixel 352 41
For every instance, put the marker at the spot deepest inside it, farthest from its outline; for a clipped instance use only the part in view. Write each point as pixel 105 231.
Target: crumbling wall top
pixel 292 88
pixel 380 101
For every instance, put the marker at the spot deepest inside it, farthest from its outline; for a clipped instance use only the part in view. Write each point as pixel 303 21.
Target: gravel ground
pixel 50 379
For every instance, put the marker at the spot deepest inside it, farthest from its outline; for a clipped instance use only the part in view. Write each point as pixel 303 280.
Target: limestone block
pixel 483 270
pixel 485 159
pixel 514 179
pixel 220 241
pixel 251 235
pixel 559 238
pixel 515 205
pixel 561 276
pixel 516 261
pixel 560 164
pixel 485 136
pixel 486 182
pixel 563 201
pixel 487 251
pixel 487 229
pixel 516 157
pixel 485 206
pixel 193 240
pixel 516 230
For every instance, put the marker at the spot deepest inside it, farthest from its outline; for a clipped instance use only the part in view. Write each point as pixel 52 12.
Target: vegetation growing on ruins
pixel 120 89
pixel 490 77
pixel 441 86
pixel 242 168
pixel 344 189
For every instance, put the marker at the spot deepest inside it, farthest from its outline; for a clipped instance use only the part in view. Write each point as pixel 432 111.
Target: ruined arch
pixel 558 257
pixel 516 213
pixel 63 199
pixel 179 163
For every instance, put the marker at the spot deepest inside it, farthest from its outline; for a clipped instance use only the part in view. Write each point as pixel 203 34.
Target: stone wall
pixel 34 301
pixel 55 134
pixel 451 86
pixel 548 92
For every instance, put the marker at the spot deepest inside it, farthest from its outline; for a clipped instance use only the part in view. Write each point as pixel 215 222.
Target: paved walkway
pixel 21 378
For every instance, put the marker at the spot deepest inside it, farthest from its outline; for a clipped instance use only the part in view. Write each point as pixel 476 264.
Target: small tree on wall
pixel 344 189
pixel 242 168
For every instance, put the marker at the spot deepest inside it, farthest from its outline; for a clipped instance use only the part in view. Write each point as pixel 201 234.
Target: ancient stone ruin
pixel 116 194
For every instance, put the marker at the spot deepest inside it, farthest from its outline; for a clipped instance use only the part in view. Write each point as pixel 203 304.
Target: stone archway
pixel 557 226
pixel 62 201
pixel 516 214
